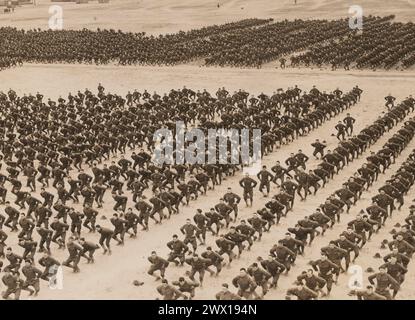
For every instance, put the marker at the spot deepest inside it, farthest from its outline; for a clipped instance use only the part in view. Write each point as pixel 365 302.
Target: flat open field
pixel 53 80
pixel 111 276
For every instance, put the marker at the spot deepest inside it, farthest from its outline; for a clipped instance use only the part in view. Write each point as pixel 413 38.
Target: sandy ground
pixel 53 80
pixel 168 16
pixel 111 277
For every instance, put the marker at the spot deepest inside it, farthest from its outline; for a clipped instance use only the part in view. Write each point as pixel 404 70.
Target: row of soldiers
pixel 386 283
pixel 361 229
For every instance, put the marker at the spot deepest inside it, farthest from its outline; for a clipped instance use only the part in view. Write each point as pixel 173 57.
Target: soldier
pixel 384 281
pixel 265 177
pixel 367 294
pixel 326 269
pixel 318 148
pixel 232 199
pixel 248 184
pixel 13 284
pixel 190 231
pixel 199 265
pixel 245 284
pixel 215 259
pixel 88 247
pixel 260 276
pixel 226 294
pixel 302 292
pixel 186 286
pixel 105 238
pixel 75 251
pixel 32 275
pixel 225 246
pixel 168 292
pixel 178 249
pixel 349 122
pixel 157 264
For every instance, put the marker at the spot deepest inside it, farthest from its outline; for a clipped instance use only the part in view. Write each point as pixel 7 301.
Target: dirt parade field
pixel 94 98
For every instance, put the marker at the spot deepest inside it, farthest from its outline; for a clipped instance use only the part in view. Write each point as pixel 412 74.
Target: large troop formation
pixel 177 195
pixel 50 140
pixel 325 270
pixel 247 43
pixel 381 45
pixel 90 143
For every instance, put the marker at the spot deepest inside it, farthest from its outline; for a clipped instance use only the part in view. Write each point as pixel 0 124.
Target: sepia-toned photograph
pixel 209 150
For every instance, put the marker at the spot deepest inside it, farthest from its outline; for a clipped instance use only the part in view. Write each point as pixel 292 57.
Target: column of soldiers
pixel 360 229
pixel 385 284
